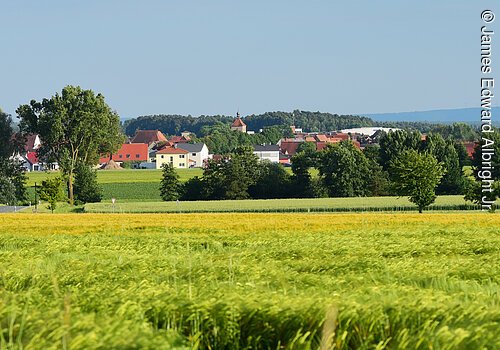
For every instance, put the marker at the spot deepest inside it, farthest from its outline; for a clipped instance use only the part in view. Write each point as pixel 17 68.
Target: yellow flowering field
pixel 231 281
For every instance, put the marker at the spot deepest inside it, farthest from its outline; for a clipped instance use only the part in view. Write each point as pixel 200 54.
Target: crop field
pixel 280 205
pixel 125 185
pixel 236 281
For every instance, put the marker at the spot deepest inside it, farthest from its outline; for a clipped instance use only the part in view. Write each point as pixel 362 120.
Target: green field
pixel 368 203
pixel 121 176
pixel 125 185
pixel 241 281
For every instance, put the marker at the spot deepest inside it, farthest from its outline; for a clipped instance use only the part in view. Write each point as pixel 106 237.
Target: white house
pixel 198 153
pixel 267 152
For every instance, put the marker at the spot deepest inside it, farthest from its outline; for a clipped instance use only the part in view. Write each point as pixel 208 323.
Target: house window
pixel 161 156
pixel 120 156
pixel 35 168
pixel 181 164
pixel 128 155
pixel 181 156
pixel 171 159
pixel 138 156
pixel 193 154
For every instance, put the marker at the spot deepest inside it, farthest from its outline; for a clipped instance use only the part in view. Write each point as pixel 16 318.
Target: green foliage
pixel 394 143
pixel 7 190
pixel 344 170
pixel 76 126
pixel 170 186
pixel 86 189
pixel 6 146
pixel 273 181
pixel 309 121
pixel 453 181
pixel 302 183
pixel 463 157
pixel 193 189
pixel 416 175
pixel 378 183
pixel 51 192
pixel 12 175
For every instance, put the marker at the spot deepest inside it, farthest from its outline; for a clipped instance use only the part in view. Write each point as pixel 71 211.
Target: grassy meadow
pixel 241 281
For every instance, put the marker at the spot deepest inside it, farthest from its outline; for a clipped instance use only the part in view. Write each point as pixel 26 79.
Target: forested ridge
pixel 308 121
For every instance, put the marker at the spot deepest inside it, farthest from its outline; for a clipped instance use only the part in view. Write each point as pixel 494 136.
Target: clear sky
pixel 214 57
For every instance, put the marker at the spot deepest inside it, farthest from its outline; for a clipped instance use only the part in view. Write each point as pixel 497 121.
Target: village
pixel 150 149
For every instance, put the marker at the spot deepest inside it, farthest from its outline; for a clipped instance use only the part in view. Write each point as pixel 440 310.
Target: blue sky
pixel 214 57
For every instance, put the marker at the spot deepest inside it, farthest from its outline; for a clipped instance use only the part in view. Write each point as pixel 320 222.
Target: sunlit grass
pixel 149 281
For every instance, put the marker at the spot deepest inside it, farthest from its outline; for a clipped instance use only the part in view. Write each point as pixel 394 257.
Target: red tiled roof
pixel 341 135
pixel 321 138
pixel 179 139
pixel 321 145
pixel 32 157
pixel 289 147
pixel 172 150
pixel 128 152
pixel 238 123
pixel 148 136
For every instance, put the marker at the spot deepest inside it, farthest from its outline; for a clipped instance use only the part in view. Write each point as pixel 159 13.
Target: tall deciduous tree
pixel 344 170
pixel 12 175
pixel 416 175
pixel 75 126
pixel 453 181
pixel 394 143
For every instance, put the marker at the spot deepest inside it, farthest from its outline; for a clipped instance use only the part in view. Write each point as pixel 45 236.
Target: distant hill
pixel 466 115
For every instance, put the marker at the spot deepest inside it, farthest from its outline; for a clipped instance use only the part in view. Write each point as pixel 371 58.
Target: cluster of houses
pixel 150 149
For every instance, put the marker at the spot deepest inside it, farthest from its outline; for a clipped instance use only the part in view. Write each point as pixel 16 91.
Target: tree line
pixel 404 164
pixel 309 121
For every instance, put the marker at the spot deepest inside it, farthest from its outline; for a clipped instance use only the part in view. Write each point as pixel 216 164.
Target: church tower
pixel 238 124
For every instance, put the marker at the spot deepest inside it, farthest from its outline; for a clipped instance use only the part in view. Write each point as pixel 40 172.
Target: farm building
pixel 128 152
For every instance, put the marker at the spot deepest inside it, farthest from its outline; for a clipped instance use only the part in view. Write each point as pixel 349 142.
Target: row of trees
pixel 344 171
pixel 403 164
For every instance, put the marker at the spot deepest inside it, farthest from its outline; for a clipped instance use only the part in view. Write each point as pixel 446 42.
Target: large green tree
pixel 453 181
pixel 394 143
pixel 74 126
pixel 12 175
pixel 416 175
pixel 344 170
